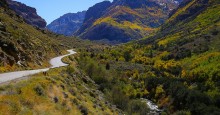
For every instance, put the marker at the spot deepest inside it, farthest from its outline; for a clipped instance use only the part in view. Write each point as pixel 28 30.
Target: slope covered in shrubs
pixel 177 67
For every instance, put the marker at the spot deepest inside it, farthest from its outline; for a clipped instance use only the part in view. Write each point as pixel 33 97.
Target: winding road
pixel 55 62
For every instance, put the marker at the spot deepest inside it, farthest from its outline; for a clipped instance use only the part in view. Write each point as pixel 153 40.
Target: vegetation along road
pixel 55 62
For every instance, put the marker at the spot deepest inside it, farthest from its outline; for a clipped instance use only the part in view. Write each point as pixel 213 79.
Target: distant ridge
pixel 67 24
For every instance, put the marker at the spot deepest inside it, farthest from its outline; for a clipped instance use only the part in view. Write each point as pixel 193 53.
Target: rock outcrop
pixel 28 13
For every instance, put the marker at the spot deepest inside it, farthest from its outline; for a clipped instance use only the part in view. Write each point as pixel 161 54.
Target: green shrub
pixel 83 110
pixel 39 90
pixel 70 69
pixel 107 66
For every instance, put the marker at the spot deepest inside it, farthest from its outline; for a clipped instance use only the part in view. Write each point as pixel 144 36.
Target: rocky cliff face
pixel 28 13
pixel 125 20
pixel 67 24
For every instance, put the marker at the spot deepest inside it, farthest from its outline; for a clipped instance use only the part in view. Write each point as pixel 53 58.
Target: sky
pixel 53 9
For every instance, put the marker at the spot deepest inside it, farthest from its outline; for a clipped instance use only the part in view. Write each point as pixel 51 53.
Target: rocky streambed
pixel 152 106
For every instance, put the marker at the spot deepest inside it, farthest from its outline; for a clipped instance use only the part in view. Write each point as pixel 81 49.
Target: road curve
pixel 55 62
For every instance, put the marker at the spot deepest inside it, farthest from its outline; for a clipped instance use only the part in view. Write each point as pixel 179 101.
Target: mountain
pixel 177 67
pixel 191 28
pixel 28 13
pixel 174 71
pixel 187 48
pixel 67 24
pixel 22 46
pixel 125 20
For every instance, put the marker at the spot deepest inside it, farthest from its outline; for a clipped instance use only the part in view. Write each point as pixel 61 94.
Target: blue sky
pixel 53 9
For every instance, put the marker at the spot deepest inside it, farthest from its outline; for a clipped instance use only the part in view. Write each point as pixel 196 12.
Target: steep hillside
pixel 28 13
pixel 60 91
pixel 192 29
pixel 63 91
pixel 177 67
pixel 22 45
pixel 67 24
pixel 124 20
pixel 92 14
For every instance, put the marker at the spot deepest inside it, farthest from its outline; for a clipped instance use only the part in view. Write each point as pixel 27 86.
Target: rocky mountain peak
pixel 97 10
pixel 134 4
pixel 28 13
pixel 68 23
